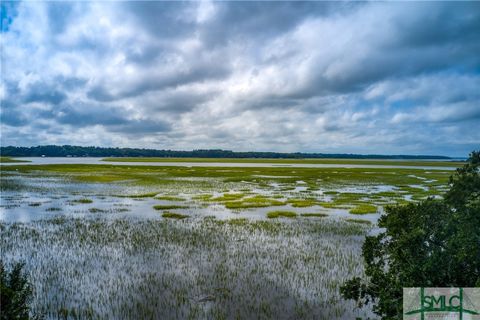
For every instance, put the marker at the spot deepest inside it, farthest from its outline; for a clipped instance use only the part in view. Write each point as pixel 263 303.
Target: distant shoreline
pixel 406 162
pixel 168 155
pixel 231 162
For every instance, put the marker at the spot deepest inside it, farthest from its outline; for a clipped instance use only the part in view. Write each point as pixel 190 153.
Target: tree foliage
pixel 15 293
pixel 78 151
pixel 434 243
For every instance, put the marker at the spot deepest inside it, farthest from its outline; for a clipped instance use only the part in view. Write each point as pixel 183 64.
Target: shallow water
pixel 29 197
pixel 45 198
pixel 90 160
pixel 117 257
pixel 200 269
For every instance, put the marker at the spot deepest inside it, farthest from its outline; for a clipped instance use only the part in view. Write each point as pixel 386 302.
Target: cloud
pixel 367 77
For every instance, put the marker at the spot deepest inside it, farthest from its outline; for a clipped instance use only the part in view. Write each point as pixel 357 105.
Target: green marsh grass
pixel 173 215
pixel 281 161
pixel 257 201
pixel 54 209
pixel 362 221
pixel 364 209
pixel 168 207
pixel 140 195
pixel 302 203
pixel 10 160
pixel 202 197
pixel 227 197
pixel 201 268
pixel 35 204
pixel 281 214
pixel 82 200
pixel 170 198
pixel 204 183
pixel 206 267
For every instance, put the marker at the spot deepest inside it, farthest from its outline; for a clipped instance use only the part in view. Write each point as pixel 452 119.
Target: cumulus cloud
pixel 367 77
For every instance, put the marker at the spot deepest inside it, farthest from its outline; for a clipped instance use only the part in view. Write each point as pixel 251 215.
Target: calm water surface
pixel 89 160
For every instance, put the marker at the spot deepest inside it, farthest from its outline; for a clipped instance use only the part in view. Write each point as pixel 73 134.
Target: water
pixel 49 197
pixel 199 268
pixel 91 252
pixel 90 160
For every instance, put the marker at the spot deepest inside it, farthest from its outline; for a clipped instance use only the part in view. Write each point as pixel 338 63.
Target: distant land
pixel 79 151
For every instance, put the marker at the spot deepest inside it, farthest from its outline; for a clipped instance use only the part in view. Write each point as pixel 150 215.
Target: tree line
pixel 80 151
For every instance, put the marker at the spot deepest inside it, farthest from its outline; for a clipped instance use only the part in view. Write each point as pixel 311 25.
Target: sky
pixel 341 77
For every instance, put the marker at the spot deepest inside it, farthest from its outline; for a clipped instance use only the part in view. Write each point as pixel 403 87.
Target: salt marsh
pixel 129 242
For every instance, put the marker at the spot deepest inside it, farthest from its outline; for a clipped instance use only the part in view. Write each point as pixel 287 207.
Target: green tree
pixel 433 243
pixel 15 293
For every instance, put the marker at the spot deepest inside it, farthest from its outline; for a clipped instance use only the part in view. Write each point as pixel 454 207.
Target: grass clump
pixel 53 209
pixel 35 204
pixel 333 205
pixel 388 194
pixel 228 197
pixel 202 197
pixel 170 198
pixel 364 209
pixel 142 195
pixel 302 203
pixel 278 214
pixel 83 200
pixel 330 192
pixel 96 210
pixel 173 215
pixel 311 215
pixel 168 207
pixel 253 202
pixel 10 160
pixel 237 222
pixel 358 221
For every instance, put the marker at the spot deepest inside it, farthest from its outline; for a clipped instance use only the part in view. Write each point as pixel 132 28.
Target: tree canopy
pixel 15 293
pixel 79 151
pixel 433 243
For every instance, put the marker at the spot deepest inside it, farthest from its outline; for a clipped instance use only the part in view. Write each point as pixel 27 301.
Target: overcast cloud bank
pixel 276 76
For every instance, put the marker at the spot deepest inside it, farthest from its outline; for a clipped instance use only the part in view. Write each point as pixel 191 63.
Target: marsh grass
pixel 281 214
pixel 35 204
pixel 155 175
pixel 302 203
pixel 202 197
pixel 364 209
pixel 168 207
pixel 204 183
pixel 170 198
pixel 200 269
pixel 141 195
pixel 54 209
pixel 257 201
pixel 333 205
pixel 287 161
pixel 10 160
pixel 106 266
pixel 330 192
pixel 227 197
pixel 238 222
pixel 173 215
pixel 362 221
pixel 82 200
